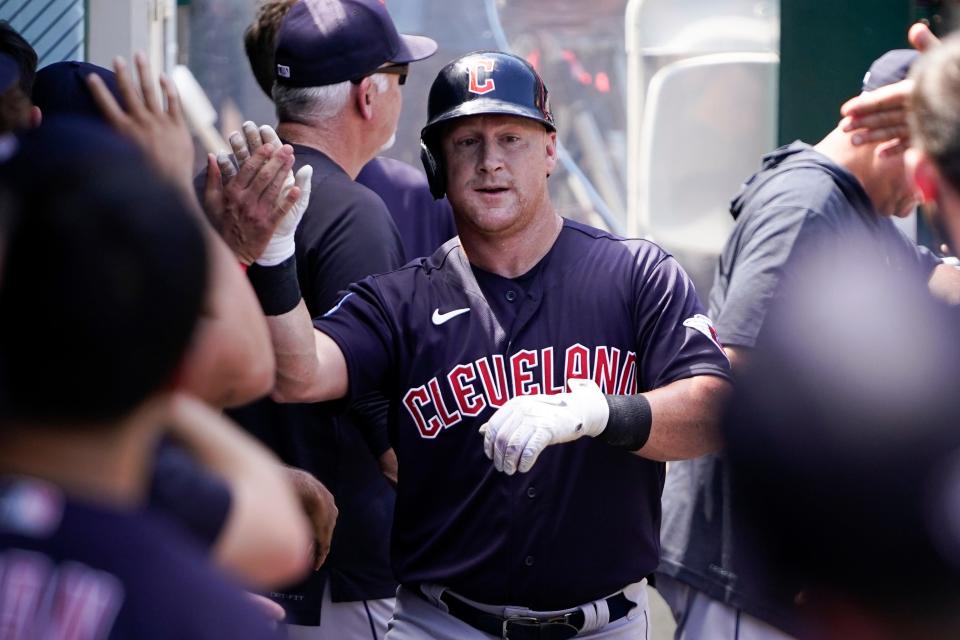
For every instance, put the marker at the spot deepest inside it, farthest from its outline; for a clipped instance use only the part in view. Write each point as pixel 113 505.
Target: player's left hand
pixel 522 428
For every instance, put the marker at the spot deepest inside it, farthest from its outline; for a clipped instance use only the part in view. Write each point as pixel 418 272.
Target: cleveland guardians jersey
pixel 449 343
pixel 72 570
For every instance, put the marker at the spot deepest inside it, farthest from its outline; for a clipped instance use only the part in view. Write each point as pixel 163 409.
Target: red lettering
pixel 414 400
pixel 24 577
pixel 72 602
pixel 468 400
pixel 606 368
pixel 547 373
pixel 449 419
pixel 577 362
pixel 521 364
pixel 496 390
pixel 628 379
pixel 86 602
pixel 484 66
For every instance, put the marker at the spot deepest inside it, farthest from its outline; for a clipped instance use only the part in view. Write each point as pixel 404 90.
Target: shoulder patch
pixel 703 324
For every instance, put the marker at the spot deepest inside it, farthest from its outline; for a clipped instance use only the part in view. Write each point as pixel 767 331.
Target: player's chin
pixel 493 219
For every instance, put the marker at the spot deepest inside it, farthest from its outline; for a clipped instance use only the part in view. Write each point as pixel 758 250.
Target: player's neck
pixel 340 141
pixel 511 255
pixel 107 465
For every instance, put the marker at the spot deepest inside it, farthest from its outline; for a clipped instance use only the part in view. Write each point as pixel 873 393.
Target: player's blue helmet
pixel 482 82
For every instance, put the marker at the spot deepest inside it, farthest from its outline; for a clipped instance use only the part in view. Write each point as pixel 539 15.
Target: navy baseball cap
pixel 893 66
pixel 61 89
pixel 323 42
pixel 9 72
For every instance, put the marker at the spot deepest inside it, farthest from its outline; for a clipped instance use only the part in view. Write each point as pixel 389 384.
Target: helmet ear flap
pixel 433 165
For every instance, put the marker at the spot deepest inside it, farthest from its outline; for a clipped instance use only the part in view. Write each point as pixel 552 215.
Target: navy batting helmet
pixel 482 82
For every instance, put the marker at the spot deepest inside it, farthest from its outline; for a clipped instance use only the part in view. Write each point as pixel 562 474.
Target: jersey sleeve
pixel 676 339
pixel 364 328
pixel 762 264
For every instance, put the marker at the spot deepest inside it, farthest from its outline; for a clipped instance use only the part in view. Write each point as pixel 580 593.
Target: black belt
pixel 561 627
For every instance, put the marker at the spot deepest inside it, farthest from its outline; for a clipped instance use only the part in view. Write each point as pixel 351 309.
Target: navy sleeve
pixel 781 236
pixel 186 493
pixel 369 413
pixel 365 330
pixel 675 338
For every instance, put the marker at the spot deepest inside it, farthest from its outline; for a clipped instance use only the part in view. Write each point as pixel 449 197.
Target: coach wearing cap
pixel 339 68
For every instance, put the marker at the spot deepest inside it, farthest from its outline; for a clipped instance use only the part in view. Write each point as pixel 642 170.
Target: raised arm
pixel 230 362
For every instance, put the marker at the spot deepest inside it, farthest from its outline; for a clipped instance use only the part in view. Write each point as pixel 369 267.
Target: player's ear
pixel 923 173
pixel 36 117
pixel 551 151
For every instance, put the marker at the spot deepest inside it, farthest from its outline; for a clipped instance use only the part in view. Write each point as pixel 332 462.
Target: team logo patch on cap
pixel 283 71
pixel 703 324
pixel 479 74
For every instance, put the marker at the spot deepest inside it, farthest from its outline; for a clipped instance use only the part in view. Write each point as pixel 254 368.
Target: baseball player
pixel 806 200
pixel 102 288
pixel 535 331
pixel 234 518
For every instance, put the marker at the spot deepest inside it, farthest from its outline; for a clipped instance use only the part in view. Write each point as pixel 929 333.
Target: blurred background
pixel 664 106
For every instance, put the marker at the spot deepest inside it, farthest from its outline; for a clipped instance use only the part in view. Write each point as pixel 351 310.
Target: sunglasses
pixel 396 69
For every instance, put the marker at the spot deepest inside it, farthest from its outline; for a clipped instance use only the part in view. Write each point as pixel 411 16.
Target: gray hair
pixel 314 105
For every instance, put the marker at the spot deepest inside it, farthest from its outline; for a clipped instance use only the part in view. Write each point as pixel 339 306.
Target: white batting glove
pixel 522 428
pixel 281 245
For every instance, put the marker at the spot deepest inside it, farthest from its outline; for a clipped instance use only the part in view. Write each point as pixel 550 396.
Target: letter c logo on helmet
pixel 486 66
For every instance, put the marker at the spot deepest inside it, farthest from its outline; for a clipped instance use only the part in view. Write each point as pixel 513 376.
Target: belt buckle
pixel 519 621
pixel 528 622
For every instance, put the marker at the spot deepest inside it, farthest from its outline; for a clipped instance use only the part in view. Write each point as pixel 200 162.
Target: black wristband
pixel 628 426
pixel 277 287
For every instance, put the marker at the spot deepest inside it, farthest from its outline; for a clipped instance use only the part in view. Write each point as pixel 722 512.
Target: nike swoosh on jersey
pixel 440 318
